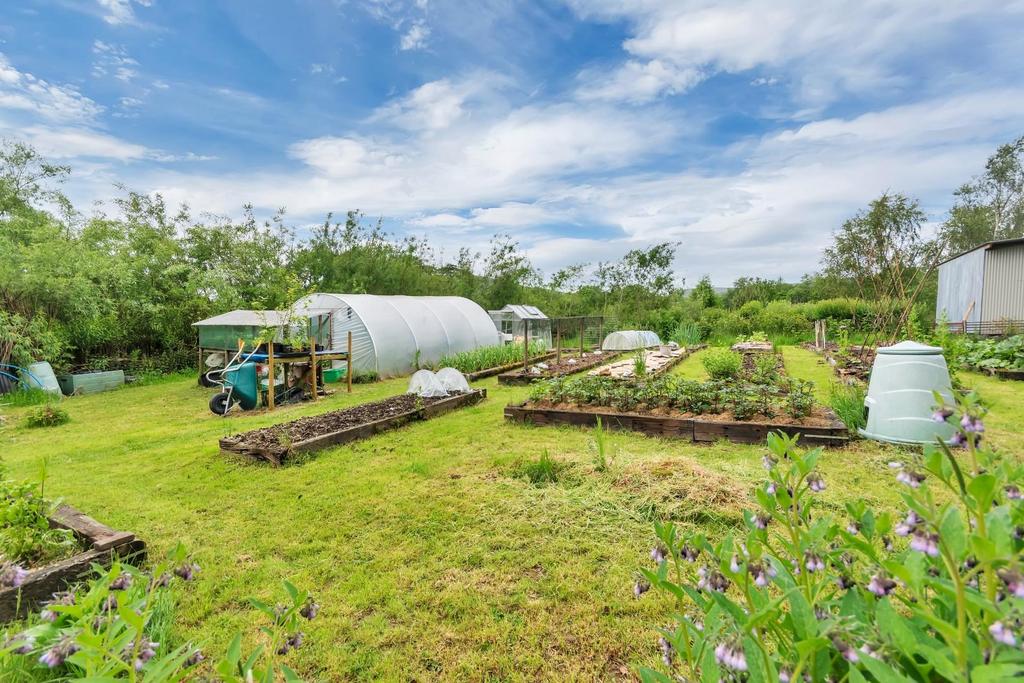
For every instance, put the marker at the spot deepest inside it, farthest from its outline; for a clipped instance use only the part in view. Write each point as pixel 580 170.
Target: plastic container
pixel 40 376
pixel 334 375
pixel 90 382
pixel 901 398
pixel 243 378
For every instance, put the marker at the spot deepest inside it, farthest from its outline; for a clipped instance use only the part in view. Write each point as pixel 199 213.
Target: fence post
pixel 312 365
pixel 526 344
pixel 558 342
pixel 581 337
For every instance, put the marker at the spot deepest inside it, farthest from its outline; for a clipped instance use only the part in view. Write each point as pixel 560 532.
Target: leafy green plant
pixel 799 594
pixel 48 415
pixel 766 368
pixel 800 398
pixel 26 536
pixel 640 363
pixel 990 354
pixel 602 455
pixel 487 357
pixel 847 402
pixel 687 334
pixel 722 363
pixel 542 471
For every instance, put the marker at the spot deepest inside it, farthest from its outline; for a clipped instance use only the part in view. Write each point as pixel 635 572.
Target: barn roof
pixel 995 244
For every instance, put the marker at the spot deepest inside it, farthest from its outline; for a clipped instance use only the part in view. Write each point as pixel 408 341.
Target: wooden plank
pixel 701 431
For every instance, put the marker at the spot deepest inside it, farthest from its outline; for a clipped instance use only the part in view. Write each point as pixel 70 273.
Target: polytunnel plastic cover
pixel 453 380
pixel 628 340
pixel 426 384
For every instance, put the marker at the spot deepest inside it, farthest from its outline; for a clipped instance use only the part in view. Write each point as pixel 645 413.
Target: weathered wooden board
pixel 695 429
pixel 101 546
pixel 233 446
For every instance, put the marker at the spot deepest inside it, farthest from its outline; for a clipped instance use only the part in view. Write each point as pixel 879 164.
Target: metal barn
pixel 982 290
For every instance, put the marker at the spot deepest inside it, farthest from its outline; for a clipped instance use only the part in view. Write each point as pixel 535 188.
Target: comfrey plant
pixel 936 593
pixel 106 630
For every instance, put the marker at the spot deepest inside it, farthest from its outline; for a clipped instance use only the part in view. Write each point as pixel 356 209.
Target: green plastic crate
pixel 334 374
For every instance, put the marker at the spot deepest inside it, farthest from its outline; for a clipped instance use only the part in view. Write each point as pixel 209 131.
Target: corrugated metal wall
pixel 960 283
pixel 1004 283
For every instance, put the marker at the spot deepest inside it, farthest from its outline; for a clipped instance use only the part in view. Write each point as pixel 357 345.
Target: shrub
pixel 722 363
pixel 799 594
pixel 49 415
pixel 687 333
pixel 766 368
pixel 847 401
pixel 25 533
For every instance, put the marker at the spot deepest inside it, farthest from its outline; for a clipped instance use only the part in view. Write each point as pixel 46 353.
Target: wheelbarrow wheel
pixel 205 381
pixel 221 403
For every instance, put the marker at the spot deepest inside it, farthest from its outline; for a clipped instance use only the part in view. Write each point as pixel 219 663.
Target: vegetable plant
pixel 722 363
pixel 934 592
pixel 26 537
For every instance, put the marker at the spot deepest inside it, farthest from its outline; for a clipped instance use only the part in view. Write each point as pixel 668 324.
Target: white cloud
pixel 76 142
pixel 638 82
pixel 432 106
pixel 830 45
pixel 113 60
pixel 24 92
pixel 416 37
pixel 117 12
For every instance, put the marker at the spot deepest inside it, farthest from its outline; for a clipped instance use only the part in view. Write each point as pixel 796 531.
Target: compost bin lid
pixel 909 348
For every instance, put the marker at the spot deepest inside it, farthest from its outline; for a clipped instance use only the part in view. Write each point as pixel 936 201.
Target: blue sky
pixel 747 131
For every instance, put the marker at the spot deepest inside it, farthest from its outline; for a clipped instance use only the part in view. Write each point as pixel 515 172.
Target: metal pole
pixel 526 344
pixel 348 371
pixel 312 364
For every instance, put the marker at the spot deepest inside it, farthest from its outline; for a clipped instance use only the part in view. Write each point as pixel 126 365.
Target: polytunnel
pixel 628 340
pixel 388 331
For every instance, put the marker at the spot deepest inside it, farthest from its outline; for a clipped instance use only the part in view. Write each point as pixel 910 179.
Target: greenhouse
pixel 628 340
pixel 393 335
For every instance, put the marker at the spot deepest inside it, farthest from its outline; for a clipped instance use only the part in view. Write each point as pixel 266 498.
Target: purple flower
pixel 812 562
pixel 908 525
pixel 21 644
pixel 972 425
pixel 1012 492
pixel 121 582
pixel 195 658
pixel 63 598
pixel 734 565
pixel 1013 580
pixel 59 653
pixel 763 574
pixel 12 575
pixel 310 609
pixel 296 640
pixel 770 489
pixel 1001 634
pixel 910 478
pixel 689 553
pixel 942 414
pixel 110 604
pixel 815 483
pixel 958 440
pixel 852 528
pixel 761 521
pixel 714 580
pixel 881 585
pixel 659 553
pixel 730 656
pixel 769 461
pixel 844 582
pixel 785 675
pixel 666 651
pixel 187 571
pixel 848 653
pixel 639 588
pixel 924 542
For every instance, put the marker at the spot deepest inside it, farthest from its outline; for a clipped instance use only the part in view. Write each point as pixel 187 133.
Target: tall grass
pixel 487 357
pixel 543 470
pixel 847 401
pixel 687 333
pixel 27 397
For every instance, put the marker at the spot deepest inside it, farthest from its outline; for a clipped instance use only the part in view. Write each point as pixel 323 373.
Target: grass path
pixel 432 557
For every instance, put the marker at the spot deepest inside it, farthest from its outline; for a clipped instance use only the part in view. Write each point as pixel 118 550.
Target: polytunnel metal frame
pixel 394 334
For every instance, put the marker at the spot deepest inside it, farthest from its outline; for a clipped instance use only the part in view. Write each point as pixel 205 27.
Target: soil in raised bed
pixel 280 437
pixel 550 368
pixel 820 416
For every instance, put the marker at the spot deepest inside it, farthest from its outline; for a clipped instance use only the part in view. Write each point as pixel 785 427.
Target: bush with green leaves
pixel 487 357
pixel 934 592
pixel 722 363
pixel 26 537
pixel 116 626
pixel 47 415
pixel 993 354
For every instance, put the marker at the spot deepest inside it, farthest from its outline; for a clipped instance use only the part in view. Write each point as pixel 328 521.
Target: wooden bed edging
pixel 694 429
pixel 102 546
pixel 491 372
pixel 231 446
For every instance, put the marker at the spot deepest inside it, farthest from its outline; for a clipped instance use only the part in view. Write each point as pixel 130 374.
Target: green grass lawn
pixel 433 558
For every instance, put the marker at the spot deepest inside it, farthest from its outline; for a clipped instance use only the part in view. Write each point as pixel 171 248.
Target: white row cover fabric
pixel 392 334
pixel 628 340
pixel 426 384
pixel 453 380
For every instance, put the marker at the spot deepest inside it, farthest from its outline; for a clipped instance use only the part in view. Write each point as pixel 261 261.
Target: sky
pixel 745 131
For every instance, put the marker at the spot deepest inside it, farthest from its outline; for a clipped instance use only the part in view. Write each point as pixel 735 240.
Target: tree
pixel 704 293
pixel 991 207
pixel 508 271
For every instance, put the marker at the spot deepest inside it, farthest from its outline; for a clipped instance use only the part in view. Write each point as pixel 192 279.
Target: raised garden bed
pixel 1006 373
pixel 279 443
pixel 589 360
pixel 657 363
pixel 100 546
pixel 491 372
pixel 825 430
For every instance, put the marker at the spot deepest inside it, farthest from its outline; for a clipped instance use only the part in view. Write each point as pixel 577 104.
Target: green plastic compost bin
pixel 334 374
pixel 901 398
pixel 90 382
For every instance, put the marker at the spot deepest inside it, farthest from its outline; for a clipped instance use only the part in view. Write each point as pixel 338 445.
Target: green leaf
pixel 882 672
pixel 652 676
pixel 983 489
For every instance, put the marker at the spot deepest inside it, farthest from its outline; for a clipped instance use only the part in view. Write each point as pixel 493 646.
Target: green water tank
pixel 90 382
pixel 901 398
